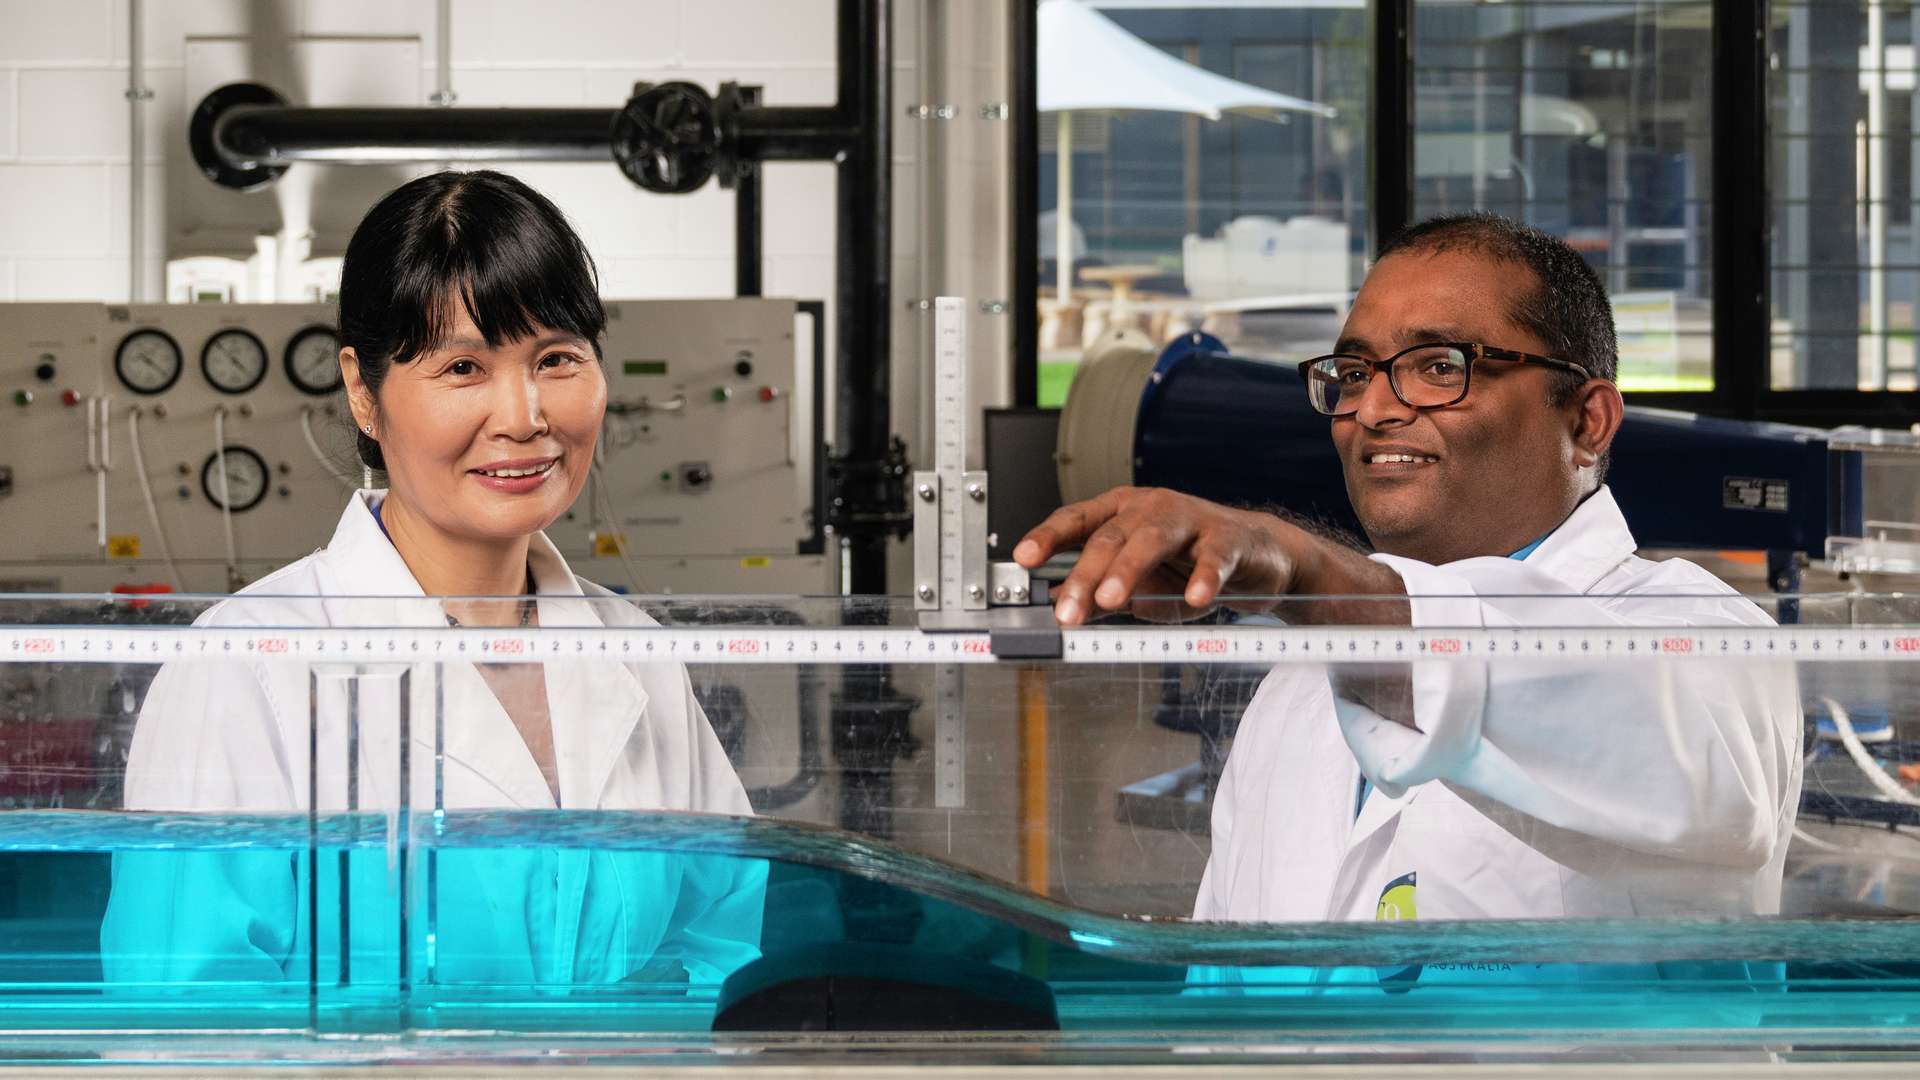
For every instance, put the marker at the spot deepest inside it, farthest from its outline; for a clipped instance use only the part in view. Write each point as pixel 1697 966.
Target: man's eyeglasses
pixel 1429 376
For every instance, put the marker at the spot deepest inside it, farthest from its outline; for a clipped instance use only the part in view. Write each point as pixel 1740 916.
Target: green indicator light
pixel 722 393
pixel 23 397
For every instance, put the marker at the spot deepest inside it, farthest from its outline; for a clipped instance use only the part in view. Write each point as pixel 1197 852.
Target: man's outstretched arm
pixel 1151 542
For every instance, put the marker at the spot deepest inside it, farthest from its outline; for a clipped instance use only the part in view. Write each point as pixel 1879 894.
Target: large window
pixel 1846 272
pixel 1250 223
pixel 1591 121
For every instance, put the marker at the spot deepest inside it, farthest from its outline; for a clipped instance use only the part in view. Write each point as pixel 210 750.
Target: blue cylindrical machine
pixel 1239 430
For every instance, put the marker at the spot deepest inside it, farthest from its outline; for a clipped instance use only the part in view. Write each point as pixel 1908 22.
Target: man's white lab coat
pixel 236 736
pixel 1529 790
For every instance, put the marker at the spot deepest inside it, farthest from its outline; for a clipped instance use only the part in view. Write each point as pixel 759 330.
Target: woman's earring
pixel 369 430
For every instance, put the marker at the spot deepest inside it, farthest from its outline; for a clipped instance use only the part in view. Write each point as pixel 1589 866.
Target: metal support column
pixel 1023 43
pixel 1742 311
pixel 1390 122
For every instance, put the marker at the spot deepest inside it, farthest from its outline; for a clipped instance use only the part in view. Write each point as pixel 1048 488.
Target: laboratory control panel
pixel 198 447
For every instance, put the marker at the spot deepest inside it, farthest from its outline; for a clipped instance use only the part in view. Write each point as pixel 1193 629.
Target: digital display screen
pixel 644 367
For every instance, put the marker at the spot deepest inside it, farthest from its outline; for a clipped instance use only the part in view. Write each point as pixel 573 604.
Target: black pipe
pixel 746 223
pixel 1390 123
pixel 863 248
pixel 250 136
pixel 1023 116
pixel 795 132
pixel 255 135
pixel 1742 207
pixel 870 717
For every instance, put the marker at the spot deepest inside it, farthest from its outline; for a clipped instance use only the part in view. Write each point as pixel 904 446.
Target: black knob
pixel 45 372
pixel 743 368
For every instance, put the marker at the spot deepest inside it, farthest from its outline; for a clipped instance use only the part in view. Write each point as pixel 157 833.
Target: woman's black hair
pixel 503 248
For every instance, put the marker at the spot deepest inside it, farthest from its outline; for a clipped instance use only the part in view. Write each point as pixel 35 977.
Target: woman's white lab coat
pixel 1530 789
pixel 239 736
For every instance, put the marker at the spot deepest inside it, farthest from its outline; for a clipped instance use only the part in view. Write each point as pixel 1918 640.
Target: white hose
pixel 97 442
pixel 1801 836
pixel 319 455
pixel 226 488
pixel 1893 789
pixel 146 493
pixel 613 521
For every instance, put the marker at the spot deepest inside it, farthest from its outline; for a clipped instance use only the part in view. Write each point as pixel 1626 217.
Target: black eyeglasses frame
pixel 1472 351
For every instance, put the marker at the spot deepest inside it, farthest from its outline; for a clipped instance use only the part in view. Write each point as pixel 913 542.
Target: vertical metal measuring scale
pixel 955 587
pixel 949 559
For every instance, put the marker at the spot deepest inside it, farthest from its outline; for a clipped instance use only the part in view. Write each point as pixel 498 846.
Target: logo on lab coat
pixel 1396 900
pixel 1396 905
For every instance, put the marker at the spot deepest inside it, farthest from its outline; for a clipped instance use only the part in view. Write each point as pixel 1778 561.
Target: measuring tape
pixel 879 645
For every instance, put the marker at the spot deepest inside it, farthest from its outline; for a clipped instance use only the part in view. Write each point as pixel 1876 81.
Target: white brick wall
pixel 9 119
pixel 68 114
pixel 64 122
pixel 68 32
pixel 52 211
pixel 64 160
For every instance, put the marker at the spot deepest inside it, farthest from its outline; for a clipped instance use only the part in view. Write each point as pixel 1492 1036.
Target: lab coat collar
pixel 1588 545
pixel 594 707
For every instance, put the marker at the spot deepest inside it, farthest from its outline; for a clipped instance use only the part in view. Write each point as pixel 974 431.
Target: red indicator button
pixel 768 393
pixel 69 398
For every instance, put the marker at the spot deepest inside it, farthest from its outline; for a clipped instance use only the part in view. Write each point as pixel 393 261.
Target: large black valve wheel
pixel 667 138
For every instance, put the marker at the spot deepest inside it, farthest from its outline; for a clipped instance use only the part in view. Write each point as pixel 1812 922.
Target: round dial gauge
pixel 148 361
pixel 234 361
pixel 241 485
pixel 313 360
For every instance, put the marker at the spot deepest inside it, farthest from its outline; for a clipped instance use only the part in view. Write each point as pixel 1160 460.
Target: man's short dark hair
pixel 1567 308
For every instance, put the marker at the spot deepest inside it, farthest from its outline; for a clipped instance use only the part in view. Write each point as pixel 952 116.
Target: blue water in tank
pixel 1240 431
pixel 424 892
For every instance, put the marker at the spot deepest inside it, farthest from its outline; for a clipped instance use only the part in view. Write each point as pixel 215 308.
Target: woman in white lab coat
pixel 470 323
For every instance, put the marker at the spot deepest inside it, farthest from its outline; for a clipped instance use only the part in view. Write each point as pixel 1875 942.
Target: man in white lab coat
pixel 1471 398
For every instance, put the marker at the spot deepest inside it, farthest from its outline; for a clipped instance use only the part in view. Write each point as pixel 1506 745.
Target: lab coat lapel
pixel 1588 545
pixel 363 580
pixel 1375 826
pixel 1306 764
pixel 367 583
pixel 1581 552
pixel 595 704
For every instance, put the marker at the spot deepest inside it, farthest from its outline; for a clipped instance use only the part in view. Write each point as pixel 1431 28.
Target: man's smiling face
pixel 1484 477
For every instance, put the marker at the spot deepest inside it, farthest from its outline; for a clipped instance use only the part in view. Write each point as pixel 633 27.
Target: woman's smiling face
pixel 488 442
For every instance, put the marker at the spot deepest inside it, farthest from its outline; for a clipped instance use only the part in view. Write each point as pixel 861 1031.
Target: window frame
pixel 1740 247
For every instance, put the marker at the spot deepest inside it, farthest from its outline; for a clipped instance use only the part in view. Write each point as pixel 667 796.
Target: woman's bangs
pixel 508 295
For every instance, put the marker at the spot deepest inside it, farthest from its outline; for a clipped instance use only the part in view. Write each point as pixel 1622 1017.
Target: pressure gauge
pixel 233 360
pixel 241 485
pixel 313 361
pixel 148 361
